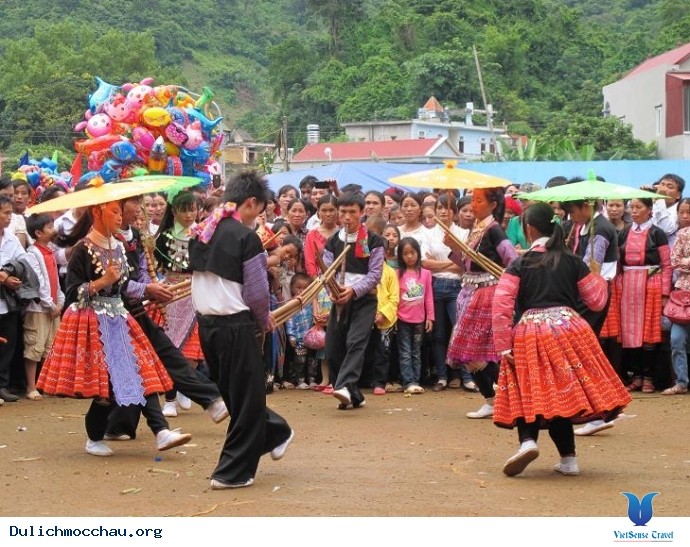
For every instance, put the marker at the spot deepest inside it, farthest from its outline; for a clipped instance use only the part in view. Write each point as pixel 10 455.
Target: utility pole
pixel 286 160
pixel 489 115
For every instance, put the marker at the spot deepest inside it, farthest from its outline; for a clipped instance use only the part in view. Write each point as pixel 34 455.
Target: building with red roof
pixel 431 137
pixel 654 97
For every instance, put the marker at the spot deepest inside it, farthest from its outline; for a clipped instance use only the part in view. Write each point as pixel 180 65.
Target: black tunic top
pixel 541 287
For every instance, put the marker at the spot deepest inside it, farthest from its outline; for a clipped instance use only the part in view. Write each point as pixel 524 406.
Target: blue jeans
pixel 445 302
pixel 410 336
pixel 679 356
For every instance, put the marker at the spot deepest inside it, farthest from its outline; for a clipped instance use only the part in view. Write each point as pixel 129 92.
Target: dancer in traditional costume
pixel 472 342
pixel 553 372
pixel 123 421
pixel 100 352
pixel 231 295
pixel 179 320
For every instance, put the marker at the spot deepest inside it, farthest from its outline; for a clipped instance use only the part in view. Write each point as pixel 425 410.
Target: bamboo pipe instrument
pixel 485 263
pixel 332 284
pixel 292 306
pixel 267 244
pixel 147 304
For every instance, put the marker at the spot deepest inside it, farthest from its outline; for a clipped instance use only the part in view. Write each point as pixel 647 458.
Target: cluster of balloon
pixel 42 174
pixel 139 129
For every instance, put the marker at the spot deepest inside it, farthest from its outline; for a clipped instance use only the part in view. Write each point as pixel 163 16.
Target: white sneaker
pixel 279 451
pixel 2 402
pixel 111 437
pixel 302 385
pixel 486 411
pixel 221 485
pixel 166 439
pixel 97 448
pixel 568 466
pixel 591 428
pixel 184 401
pixel 218 411
pixel 170 409
pixel 343 395
pixel 517 463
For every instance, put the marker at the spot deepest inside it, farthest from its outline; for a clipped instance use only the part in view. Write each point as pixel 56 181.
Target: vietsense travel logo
pixel 640 512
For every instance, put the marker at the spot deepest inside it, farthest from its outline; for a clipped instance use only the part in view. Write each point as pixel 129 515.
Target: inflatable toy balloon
pixel 176 134
pixel 137 96
pixel 205 98
pixel 34 178
pixel 124 151
pixel 99 125
pixel 118 110
pixel 207 126
pixel 99 143
pixel 19 175
pixel 201 153
pixel 194 136
pixel 173 166
pixel 155 116
pixel 143 138
pixel 129 85
pixel 205 178
pixel 171 149
pixel 178 115
pixel 104 92
pixel 157 157
pixel 110 171
pixel 96 158
pixel 164 94
pixel 47 163
pixel 217 143
pixel 213 168
pixel 86 177
pixel 184 100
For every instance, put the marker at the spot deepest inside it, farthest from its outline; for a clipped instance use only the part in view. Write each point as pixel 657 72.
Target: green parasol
pixel 588 190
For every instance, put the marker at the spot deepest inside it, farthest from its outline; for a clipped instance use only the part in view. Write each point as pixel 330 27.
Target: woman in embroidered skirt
pixel 645 258
pixel 553 372
pixel 472 342
pixel 179 320
pixel 100 352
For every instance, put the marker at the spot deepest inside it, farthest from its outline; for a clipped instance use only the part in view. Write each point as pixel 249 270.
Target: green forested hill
pixel 325 61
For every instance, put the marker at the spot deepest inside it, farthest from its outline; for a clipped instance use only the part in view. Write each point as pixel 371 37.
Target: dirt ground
pixel 398 456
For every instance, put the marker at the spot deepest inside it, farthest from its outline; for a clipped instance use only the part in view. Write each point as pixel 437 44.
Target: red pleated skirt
pixel 472 337
pixel 76 366
pixel 612 324
pixel 560 371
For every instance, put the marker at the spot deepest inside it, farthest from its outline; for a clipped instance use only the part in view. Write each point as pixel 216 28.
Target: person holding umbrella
pixel 100 351
pixel 472 343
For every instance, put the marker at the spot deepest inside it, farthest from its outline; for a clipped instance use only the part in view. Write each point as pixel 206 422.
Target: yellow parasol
pixel 449 177
pixel 98 193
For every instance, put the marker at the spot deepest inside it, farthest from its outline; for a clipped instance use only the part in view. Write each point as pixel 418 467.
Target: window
pixel 482 146
pixel 461 145
pixel 492 146
pixel 657 120
pixel 421 134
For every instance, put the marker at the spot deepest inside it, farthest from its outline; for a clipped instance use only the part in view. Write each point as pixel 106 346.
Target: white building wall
pixel 634 100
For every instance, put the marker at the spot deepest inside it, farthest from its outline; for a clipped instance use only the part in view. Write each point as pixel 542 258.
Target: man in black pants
pixel 231 295
pixel 123 421
pixel 354 310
